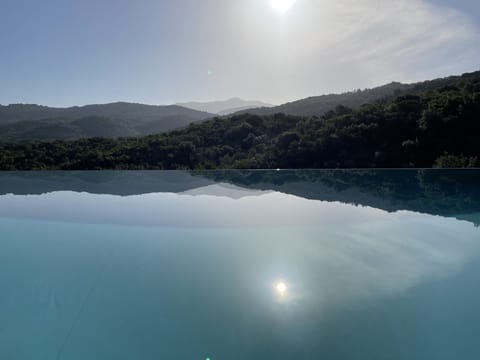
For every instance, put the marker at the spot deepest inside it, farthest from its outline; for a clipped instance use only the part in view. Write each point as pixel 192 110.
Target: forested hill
pixel 319 105
pixel 439 126
pixel 23 122
pixel 120 110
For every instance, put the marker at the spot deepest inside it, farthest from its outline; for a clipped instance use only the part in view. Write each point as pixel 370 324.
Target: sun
pixel 281 5
pixel 281 288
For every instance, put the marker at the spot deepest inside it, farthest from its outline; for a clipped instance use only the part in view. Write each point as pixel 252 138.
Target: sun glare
pixel 281 288
pixel 281 5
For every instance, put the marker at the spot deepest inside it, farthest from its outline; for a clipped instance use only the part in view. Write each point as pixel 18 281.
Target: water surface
pixel 178 265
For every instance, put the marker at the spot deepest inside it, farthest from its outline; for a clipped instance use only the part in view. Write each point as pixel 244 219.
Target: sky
pixel 70 52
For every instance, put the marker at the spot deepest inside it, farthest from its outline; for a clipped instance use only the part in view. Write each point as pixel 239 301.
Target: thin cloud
pixel 334 46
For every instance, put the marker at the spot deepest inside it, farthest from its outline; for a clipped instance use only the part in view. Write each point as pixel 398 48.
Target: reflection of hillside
pixel 100 182
pixel 439 192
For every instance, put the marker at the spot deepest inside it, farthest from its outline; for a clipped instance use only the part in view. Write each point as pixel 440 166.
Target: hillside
pixel 320 105
pixel 437 126
pixel 21 122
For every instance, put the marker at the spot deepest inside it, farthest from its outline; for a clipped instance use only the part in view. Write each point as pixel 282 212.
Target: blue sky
pixel 70 52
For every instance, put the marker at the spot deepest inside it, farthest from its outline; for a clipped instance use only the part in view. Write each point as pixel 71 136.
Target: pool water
pixel 240 265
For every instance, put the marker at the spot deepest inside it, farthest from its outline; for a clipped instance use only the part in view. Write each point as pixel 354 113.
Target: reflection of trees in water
pixel 122 183
pixel 440 192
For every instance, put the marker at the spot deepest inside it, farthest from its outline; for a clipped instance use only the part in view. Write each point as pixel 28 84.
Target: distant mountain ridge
pixel 225 107
pixel 118 110
pixel 23 122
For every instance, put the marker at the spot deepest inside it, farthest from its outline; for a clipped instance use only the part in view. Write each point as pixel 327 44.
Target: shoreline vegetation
pixel 434 124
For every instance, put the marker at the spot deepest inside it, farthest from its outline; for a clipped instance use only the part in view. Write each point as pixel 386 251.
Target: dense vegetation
pixel 437 125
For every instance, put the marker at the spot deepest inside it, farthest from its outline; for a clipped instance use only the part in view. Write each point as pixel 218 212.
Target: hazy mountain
pixel 119 111
pixel 20 122
pixel 225 107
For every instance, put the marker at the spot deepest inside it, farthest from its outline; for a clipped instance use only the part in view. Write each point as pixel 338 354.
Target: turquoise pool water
pixel 240 265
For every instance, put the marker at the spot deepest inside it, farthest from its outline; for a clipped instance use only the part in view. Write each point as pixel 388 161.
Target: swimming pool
pixel 240 265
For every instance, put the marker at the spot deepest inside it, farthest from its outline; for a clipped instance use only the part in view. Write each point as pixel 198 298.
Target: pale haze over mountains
pixel 225 107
